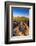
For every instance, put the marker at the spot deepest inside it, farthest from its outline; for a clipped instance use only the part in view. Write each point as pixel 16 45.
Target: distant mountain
pixel 18 18
pixel 22 16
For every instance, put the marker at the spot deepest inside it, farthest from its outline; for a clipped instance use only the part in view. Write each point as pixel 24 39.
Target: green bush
pixel 20 19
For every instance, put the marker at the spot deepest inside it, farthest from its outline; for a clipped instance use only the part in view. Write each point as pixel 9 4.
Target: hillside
pixel 21 19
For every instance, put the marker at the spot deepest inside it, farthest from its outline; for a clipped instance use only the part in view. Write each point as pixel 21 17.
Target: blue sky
pixel 20 11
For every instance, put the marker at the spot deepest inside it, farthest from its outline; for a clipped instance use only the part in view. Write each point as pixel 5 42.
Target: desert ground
pixel 20 27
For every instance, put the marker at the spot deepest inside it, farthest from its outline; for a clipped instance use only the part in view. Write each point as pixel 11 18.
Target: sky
pixel 20 12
